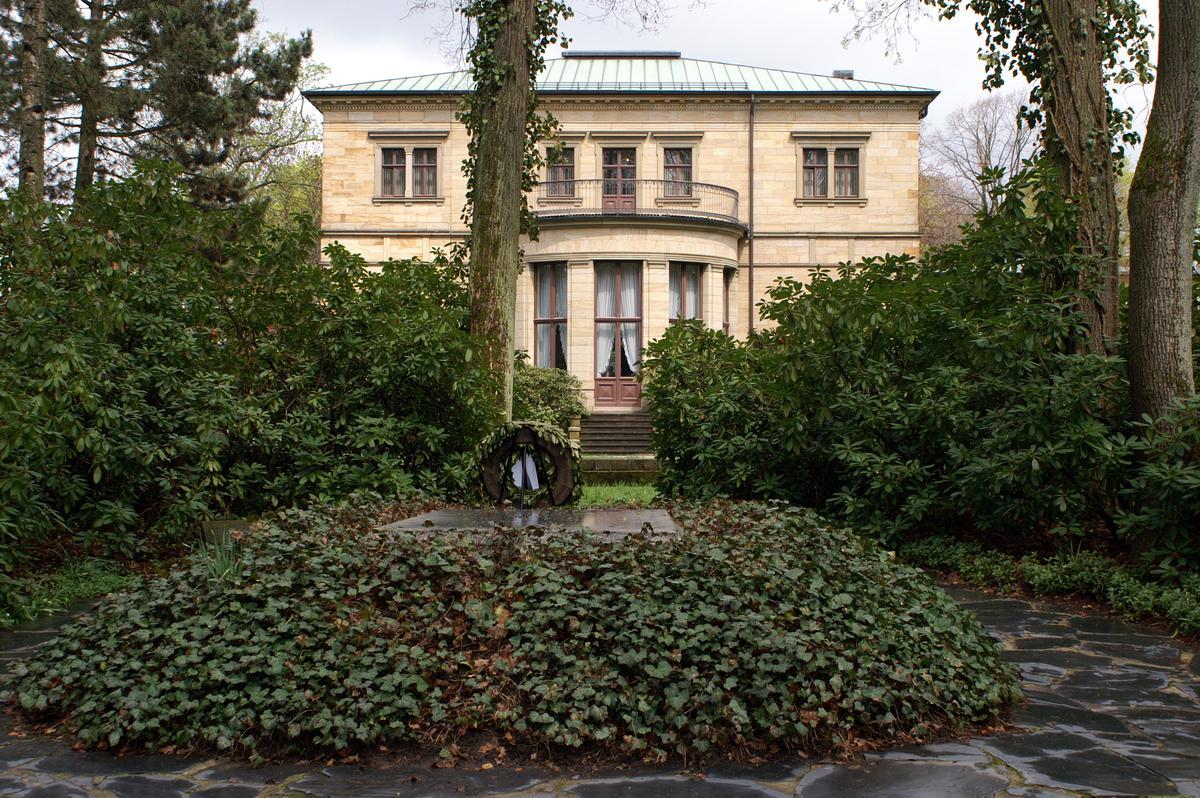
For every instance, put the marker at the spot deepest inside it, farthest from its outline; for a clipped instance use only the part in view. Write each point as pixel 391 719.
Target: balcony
pixel 620 199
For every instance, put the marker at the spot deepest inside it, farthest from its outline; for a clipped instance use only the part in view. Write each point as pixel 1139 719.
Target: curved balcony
pixel 671 199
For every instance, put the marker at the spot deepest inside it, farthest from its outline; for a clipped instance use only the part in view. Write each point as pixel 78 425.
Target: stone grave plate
pixel 613 524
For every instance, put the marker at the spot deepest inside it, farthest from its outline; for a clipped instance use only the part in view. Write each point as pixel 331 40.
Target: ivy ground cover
pixel 759 627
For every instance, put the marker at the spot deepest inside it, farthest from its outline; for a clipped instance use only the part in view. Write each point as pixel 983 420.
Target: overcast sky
pixel 377 39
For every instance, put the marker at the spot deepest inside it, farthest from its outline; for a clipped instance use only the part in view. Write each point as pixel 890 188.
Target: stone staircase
pixel 616 448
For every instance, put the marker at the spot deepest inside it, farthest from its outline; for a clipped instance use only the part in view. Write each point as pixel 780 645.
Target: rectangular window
pixel 424 175
pixel 560 172
pixel 816 172
pixel 550 316
pixel 677 171
pixel 391 179
pixel 845 172
pixel 684 279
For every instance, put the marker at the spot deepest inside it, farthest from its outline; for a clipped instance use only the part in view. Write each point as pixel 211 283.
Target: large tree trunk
pixel 1162 219
pixel 1078 141
pixel 496 202
pixel 32 159
pixel 90 100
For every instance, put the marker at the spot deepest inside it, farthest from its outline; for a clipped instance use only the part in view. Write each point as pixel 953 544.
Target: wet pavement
pixel 1114 709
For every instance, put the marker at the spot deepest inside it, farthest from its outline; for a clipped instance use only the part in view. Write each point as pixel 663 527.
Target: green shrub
pixel 760 625
pixel 1084 574
pixel 904 395
pixel 160 363
pixel 1160 515
pixel 547 396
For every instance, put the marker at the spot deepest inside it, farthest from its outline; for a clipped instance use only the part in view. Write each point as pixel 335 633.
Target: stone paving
pixel 1114 709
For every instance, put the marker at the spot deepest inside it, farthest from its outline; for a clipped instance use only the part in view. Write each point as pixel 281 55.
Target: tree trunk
pixel 90 101
pixel 496 202
pixel 32 159
pixel 1162 220
pixel 1078 141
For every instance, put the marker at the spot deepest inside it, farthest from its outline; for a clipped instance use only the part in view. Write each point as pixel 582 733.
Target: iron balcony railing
pixel 669 198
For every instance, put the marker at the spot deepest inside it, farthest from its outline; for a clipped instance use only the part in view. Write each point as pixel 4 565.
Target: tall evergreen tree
pixel 171 79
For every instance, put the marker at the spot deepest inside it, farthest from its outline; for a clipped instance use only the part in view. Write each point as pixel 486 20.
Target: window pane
pixel 631 290
pixel 606 349
pixel 560 290
pixel 691 297
pixel 820 183
pixel 560 345
pixel 544 277
pixel 846 157
pixel 814 157
pixel 545 345
pixel 606 288
pixel 676 290
pixel 631 348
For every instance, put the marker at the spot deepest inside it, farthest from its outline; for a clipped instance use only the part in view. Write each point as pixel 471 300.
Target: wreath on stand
pixel 531 464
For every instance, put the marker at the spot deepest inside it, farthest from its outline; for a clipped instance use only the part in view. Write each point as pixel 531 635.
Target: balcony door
pixel 618 333
pixel 620 172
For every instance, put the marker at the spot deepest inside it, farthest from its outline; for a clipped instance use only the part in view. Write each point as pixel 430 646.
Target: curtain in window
pixel 816 164
pixel 544 276
pixel 560 291
pixel 676 290
pixel 678 172
pixel 692 288
pixel 846 173
pixel 545 345
pixel 631 295
pixel 606 306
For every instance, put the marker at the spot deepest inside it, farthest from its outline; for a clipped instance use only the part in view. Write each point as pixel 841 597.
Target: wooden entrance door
pixel 620 172
pixel 618 333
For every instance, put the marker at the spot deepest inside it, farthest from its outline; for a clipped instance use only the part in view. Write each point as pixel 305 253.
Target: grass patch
pixel 1086 574
pixel 618 495
pixel 759 627
pixel 76 580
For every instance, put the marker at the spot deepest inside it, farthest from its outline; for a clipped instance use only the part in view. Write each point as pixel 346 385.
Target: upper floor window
pixel 424 167
pixel 816 172
pixel 550 316
pixel 845 172
pixel 684 280
pixel 677 171
pixel 560 172
pixel 391 183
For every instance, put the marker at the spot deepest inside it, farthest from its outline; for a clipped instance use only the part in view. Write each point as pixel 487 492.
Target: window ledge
pixel 576 201
pixel 408 200
pixel 691 202
pixel 860 202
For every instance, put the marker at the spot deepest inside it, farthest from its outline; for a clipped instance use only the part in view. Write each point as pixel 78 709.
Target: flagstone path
pixel 1114 709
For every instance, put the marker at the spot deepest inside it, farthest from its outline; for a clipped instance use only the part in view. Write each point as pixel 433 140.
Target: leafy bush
pixel 547 396
pixel 761 625
pixel 1161 492
pixel 160 363
pixel 1083 573
pixel 906 395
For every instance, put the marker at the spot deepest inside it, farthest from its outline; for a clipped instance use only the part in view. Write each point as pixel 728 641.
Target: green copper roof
pixel 637 73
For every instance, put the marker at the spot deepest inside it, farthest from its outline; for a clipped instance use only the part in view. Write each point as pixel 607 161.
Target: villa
pixel 677 189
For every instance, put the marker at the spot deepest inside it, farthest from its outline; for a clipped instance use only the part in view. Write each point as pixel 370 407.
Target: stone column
pixel 523 332
pixel 581 325
pixel 656 299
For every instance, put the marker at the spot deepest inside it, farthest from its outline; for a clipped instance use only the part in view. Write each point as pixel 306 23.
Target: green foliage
pixel 161 362
pixel 761 625
pixel 618 495
pixel 1085 573
pixel 906 395
pixel 76 580
pixel 1161 492
pixel 547 396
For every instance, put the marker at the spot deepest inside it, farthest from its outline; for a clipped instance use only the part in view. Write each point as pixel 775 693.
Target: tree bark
pixel 32 159
pixel 1162 220
pixel 90 100
pixel 1078 142
pixel 496 202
